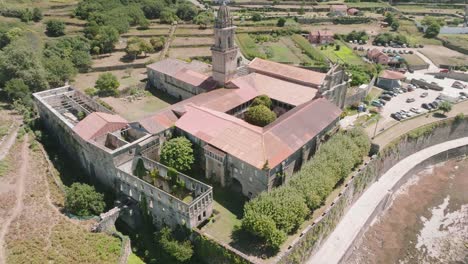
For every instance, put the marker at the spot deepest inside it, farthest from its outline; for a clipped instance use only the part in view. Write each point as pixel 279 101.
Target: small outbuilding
pixel 338 10
pixel 390 79
pixel 353 11
pixel 320 37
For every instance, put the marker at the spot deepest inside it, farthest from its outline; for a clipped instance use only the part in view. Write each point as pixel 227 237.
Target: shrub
pixel 107 84
pixel 55 28
pixel 445 107
pixel 181 251
pixel 140 169
pixel 459 117
pixel 177 153
pixel 83 200
pixel 256 17
pixel 157 43
pixel 262 100
pixel 259 115
pixel 281 22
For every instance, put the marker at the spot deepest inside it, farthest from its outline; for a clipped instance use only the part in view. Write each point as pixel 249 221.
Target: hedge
pixel 272 215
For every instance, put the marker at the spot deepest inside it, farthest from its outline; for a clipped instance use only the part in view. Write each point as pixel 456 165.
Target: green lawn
pixel 343 55
pixel 315 55
pixel 457 40
pixel 281 53
pixel 413 59
pixel 412 34
pixel 248 46
pixel 426 9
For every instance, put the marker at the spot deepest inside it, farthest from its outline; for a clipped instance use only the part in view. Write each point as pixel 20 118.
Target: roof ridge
pixel 290 114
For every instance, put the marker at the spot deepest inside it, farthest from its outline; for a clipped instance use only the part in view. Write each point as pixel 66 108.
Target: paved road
pixel 349 227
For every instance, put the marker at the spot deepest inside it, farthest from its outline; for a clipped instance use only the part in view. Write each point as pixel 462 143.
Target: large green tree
pixel 83 200
pixel 107 84
pixel 177 153
pixel 182 251
pixel 445 107
pixel 259 115
pixel 59 71
pixel 55 28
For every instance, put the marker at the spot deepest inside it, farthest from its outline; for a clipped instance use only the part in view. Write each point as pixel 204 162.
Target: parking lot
pixel 399 102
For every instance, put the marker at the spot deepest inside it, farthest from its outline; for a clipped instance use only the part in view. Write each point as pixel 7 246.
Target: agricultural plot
pixel 427 9
pixel 342 55
pixel 185 53
pixel 192 41
pixel 413 35
pixel 193 32
pixel 456 40
pixel 146 33
pixel 276 48
pixel 414 60
pixel 441 55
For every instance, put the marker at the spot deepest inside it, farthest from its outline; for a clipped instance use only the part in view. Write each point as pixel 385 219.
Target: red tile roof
pixel 242 90
pixel 256 145
pixel 97 124
pixel 353 11
pixel 393 75
pixel 335 8
pixel 287 72
pixel 322 33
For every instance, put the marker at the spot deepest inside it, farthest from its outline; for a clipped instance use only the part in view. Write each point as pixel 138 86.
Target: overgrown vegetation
pixel 83 200
pixel 309 50
pixel 271 216
pixel 178 153
pixel 259 113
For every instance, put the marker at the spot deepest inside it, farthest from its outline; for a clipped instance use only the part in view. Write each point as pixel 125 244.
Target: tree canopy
pixel 259 115
pixel 55 28
pixel 177 153
pixel 107 84
pixel 83 200
pixel 271 216
pixel 445 107
pixel 180 250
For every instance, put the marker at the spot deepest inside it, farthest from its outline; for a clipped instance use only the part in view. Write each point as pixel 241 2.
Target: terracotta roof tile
pixel 287 72
pixel 393 75
pixel 97 124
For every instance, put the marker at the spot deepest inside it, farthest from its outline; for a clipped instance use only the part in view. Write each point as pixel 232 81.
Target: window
pixel 199 218
pixel 204 213
pixel 229 42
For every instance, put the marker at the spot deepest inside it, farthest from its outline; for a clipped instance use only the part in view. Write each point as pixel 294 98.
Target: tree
pixel 389 18
pixel 181 251
pixel 26 15
pixel 395 25
pixel 59 71
pixel 37 15
pixel 281 22
pixel 104 38
pixel 19 60
pixel 157 43
pixel 203 19
pixel 167 16
pixel 337 47
pixel 445 107
pixel 107 84
pixel 152 9
pixel 186 11
pixel 262 100
pixel 177 153
pixel 140 169
pixel 137 46
pixel 55 28
pixel 16 89
pixel 256 17
pixel 432 31
pixel 83 200
pixel 259 115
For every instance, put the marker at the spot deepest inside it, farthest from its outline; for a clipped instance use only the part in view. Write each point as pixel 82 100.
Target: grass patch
pixel 134 259
pixel 315 55
pixel 413 35
pixel 343 55
pixel 4 167
pixel 248 47
pixel 281 53
pixel 413 59
pixel 460 40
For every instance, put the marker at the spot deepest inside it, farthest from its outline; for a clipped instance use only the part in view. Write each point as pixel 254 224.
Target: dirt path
pixel 9 140
pixel 19 191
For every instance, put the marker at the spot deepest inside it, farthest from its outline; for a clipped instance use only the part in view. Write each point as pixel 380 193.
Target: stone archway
pixel 236 185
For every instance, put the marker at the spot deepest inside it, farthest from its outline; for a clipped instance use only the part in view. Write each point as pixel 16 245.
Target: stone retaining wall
pixel 312 236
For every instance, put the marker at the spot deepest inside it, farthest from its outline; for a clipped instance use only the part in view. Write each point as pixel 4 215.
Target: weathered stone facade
pixel 113 167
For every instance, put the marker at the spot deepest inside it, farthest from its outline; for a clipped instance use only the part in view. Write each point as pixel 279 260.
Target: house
pixel 321 37
pixel 390 79
pixel 338 10
pixel 378 56
pixel 353 11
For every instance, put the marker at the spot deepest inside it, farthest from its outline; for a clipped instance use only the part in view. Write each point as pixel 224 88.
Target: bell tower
pixel 224 50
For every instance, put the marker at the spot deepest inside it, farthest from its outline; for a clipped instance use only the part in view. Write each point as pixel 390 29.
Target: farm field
pixel 192 41
pixel 343 55
pixel 413 35
pixel 187 53
pixel 441 55
pixel 457 40
pixel 413 59
pixel 427 9
pixel 372 29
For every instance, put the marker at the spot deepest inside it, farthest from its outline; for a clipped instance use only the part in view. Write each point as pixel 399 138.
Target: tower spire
pixel 224 51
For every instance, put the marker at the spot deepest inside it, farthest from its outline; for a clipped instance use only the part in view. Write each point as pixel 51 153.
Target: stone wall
pixel 312 236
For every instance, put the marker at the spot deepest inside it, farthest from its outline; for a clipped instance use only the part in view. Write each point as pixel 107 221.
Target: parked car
pixel 383 102
pixel 426 106
pixel 410 100
pixel 411 52
pixel 435 103
pixel 425 94
pixel 431 105
pixel 411 88
pixel 415 110
pixel 376 103
pixel 463 94
pixel 396 116
pixel 385 97
pixel 462 97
